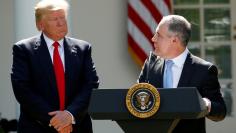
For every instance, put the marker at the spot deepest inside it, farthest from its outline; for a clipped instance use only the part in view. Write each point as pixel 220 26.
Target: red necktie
pixel 60 76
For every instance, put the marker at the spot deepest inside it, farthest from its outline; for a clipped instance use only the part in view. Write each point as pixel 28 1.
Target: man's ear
pixel 174 39
pixel 39 25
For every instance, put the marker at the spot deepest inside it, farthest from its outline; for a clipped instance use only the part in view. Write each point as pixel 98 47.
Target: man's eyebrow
pixel 158 33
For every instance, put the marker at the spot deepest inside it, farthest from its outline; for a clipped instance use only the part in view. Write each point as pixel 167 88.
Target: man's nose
pixel 60 22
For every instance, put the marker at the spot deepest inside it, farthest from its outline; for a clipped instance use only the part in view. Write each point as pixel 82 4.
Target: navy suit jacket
pixel 196 73
pixel 34 83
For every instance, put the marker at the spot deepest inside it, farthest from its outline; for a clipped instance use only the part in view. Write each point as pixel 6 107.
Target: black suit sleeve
pixel 212 92
pixel 23 89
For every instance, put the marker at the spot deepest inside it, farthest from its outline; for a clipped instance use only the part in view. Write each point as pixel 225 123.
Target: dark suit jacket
pixel 34 83
pixel 196 73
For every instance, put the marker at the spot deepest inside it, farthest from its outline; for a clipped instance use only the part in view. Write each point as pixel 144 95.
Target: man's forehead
pixel 54 12
pixel 160 25
pixel 157 29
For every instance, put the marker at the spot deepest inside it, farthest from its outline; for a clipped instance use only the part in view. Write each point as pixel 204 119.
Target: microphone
pixel 148 67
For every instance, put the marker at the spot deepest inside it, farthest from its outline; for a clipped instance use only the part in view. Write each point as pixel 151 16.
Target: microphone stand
pixel 148 66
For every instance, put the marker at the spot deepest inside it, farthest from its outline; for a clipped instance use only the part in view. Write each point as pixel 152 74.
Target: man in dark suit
pixel 53 75
pixel 172 66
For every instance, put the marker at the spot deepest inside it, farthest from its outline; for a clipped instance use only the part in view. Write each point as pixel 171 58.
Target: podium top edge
pixel 157 88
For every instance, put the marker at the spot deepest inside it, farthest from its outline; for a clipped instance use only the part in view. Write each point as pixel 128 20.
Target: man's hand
pixel 61 120
pixel 67 129
pixel 207 103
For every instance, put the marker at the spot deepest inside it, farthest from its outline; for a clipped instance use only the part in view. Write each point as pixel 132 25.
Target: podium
pixel 175 104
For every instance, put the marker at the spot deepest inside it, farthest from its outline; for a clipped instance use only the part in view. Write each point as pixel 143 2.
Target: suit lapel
pixel 186 72
pixel 70 63
pixel 157 67
pixel 70 60
pixel 41 51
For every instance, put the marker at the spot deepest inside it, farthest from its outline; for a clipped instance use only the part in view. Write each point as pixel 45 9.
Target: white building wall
pixel 104 25
pixel 7 101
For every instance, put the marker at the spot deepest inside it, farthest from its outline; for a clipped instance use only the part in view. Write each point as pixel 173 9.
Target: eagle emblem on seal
pixel 142 100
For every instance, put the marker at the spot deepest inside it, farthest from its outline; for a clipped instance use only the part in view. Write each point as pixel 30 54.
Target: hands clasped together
pixel 61 121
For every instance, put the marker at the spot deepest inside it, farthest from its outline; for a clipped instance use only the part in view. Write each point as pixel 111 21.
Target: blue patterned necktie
pixel 168 75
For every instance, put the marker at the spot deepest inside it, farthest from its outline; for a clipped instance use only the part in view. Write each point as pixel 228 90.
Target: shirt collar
pixel 179 60
pixel 49 41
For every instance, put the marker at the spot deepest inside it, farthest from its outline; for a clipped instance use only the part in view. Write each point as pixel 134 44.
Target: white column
pixel 7 101
pixel 24 22
pixel 24 19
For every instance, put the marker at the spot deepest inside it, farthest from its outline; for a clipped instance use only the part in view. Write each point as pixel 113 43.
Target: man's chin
pixel 62 35
pixel 156 53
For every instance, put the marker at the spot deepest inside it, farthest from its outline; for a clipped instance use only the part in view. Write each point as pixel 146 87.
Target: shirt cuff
pixel 73 119
pixel 207 103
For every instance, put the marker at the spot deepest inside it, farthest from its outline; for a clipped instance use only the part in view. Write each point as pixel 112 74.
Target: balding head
pixel 179 26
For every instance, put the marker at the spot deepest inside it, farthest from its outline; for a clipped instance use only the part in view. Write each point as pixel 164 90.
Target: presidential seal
pixel 143 100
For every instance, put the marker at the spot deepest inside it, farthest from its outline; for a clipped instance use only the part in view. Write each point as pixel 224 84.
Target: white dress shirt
pixel 50 46
pixel 178 67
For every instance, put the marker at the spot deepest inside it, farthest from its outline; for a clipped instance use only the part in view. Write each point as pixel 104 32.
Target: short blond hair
pixel 44 6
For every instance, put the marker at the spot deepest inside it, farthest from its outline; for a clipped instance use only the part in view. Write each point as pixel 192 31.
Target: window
pixel 211 37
